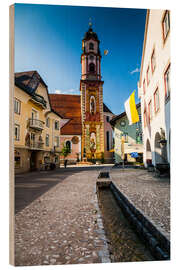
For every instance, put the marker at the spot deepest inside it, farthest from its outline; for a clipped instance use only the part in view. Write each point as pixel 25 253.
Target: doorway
pixel 33 159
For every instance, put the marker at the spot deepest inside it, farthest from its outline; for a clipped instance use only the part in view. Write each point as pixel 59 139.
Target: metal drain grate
pixel 103 175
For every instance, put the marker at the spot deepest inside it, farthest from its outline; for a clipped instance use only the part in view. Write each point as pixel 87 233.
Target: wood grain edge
pixel 11 139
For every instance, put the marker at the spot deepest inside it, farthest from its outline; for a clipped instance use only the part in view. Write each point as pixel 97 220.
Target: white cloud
pixel 135 71
pixel 57 91
pixel 69 91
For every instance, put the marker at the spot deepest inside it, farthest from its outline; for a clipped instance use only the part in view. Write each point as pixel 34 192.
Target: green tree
pixel 65 151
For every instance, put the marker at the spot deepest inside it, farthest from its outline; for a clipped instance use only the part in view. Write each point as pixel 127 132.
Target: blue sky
pixel 48 39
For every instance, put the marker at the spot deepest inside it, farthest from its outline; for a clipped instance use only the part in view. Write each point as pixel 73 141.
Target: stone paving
pixel 57 216
pixel 61 226
pixel 148 193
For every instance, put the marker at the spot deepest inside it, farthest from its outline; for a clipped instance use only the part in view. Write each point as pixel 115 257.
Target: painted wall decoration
pixel 75 140
pixel 93 117
pixel 98 137
pixel 93 142
pixel 87 139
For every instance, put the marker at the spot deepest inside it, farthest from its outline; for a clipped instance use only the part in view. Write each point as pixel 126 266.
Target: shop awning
pixel 134 154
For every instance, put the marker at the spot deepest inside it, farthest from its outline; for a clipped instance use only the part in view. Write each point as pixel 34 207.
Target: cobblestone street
pixel 148 193
pixel 58 219
pixel 61 225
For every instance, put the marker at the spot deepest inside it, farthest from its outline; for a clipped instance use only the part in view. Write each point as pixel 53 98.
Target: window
pixel 34 114
pixel 17 106
pixel 125 137
pixel 16 132
pixel 166 24
pixel 147 75
pixel 56 159
pixel 47 139
pixel 156 100
pixel 47 122
pixel 153 61
pixel 56 125
pixel 149 111
pixel 107 118
pixel 33 137
pixel 107 140
pixel 167 82
pixel 91 46
pixel 91 57
pixel 68 145
pixel 144 86
pixel 56 143
pixel 138 124
pixel 145 122
pixel 17 161
pixel 138 137
pixel 91 67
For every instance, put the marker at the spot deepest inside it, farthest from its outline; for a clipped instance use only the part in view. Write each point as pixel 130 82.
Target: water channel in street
pixel 124 244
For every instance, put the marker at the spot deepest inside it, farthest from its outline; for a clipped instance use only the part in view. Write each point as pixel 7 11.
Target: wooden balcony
pixel 36 124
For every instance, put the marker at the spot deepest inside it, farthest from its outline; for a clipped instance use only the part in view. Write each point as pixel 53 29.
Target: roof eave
pixel 144 45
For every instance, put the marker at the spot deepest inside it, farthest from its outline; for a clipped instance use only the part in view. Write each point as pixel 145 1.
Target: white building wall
pixel 161 119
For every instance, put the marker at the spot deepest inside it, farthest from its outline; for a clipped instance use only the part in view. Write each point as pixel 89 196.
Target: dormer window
pixel 92 67
pixel 91 46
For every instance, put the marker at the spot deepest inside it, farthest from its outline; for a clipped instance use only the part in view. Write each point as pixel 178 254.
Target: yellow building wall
pixel 21 119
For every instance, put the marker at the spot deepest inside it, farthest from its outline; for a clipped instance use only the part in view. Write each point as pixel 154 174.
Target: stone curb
pixel 104 253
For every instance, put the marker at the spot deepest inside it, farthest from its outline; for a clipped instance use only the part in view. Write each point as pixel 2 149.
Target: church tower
pixel 91 87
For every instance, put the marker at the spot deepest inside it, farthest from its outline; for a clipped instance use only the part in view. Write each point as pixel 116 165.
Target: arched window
pixel 68 145
pixel 91 46
pixel 91 67
pixel 92 105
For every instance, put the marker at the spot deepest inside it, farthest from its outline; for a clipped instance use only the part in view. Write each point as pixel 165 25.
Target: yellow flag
pixel 131 110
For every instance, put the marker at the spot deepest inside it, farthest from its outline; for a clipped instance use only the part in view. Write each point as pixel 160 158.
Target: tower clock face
pixel 91 57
